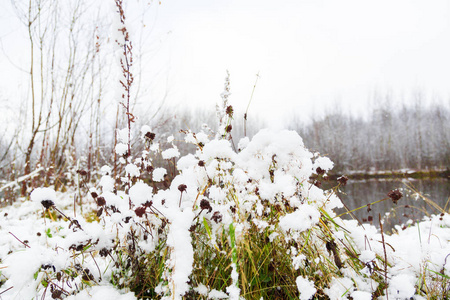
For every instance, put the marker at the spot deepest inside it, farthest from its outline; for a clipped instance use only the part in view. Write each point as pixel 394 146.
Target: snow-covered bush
pixel 246 224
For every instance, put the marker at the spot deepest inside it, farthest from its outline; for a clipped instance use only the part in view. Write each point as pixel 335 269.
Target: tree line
pixel 390 138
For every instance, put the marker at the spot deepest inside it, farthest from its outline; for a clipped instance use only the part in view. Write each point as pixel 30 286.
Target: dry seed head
pixel 140 211
pixel 343 180
pixel 320 171
pixel 395 195
pixel 82 172
pixel 182 187
pixel 217 217
pixel 101 201
pixel 204 204
pixel 47 203
pixel 229 111
pixel 150 135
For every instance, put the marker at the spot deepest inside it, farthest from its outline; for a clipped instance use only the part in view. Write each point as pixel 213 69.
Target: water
pixel 410 207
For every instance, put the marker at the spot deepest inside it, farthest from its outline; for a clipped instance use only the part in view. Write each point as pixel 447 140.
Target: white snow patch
pixel 202 289
pixel 140 193
pixel 122 135
pixel 106 170
pixel 102 292
pixel 215 294
pixel 340 288
pixel 402 286
pixel 367 256
pixel 324 163
pixel 42 194
pixel 361 295
pixel 300 220
pixel 305 287
pixel 121 149
pixel 171 153
pixel 132 170
pixel 158 174
pixel 243 143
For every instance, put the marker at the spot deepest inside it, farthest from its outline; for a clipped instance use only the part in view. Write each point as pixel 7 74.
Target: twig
pixel 248 105
pixel 99 272
pixel 74 221
pixel 6 290
pixel 19 240
pixel 370 204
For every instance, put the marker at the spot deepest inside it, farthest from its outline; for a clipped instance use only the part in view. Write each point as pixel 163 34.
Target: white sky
pixel 310 54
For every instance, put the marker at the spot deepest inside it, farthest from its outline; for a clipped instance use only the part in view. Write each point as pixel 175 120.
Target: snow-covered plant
pixel 224 112
pixel 246 224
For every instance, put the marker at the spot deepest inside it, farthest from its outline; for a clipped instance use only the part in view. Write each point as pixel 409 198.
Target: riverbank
pixel 394 174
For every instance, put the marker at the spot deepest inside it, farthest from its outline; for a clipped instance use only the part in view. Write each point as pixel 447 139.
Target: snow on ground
pixel 43 256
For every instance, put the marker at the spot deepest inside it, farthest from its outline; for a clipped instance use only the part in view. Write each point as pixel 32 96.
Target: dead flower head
pixel 47 203
pixel 395 195
pixel 343 180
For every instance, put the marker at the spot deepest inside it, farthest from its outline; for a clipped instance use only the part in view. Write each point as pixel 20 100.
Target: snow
pixel 361 295
pixel 243 143
pixel 106 170
pixel 182 256
pixel 367 256
pixel 202 290
pixel 340 288
pixel 145 129
pixel 132 170
pixel 215 294
pixel 402 286
pixel 21 268
pixel 102 292
pixel 140 193
pixel 121 149
pixel 43 194
pixel 122 135
pixel 324 163
pixel 158 174
pixel 218 149
pixel 202 138
pixel 107 183
pixel 170 153
pixel 305 287
pixel 300 220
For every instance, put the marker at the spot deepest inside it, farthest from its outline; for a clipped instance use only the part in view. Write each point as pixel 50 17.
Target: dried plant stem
pixel 353 210
pixel 248 105
pixel 7 290
pixel 126 63
pixel 19 239
pixel 385 255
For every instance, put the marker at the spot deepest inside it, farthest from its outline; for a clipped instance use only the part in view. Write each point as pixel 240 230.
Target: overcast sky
pixel 310 54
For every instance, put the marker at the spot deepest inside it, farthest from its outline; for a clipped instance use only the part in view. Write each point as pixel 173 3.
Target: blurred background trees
pixel 389 137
